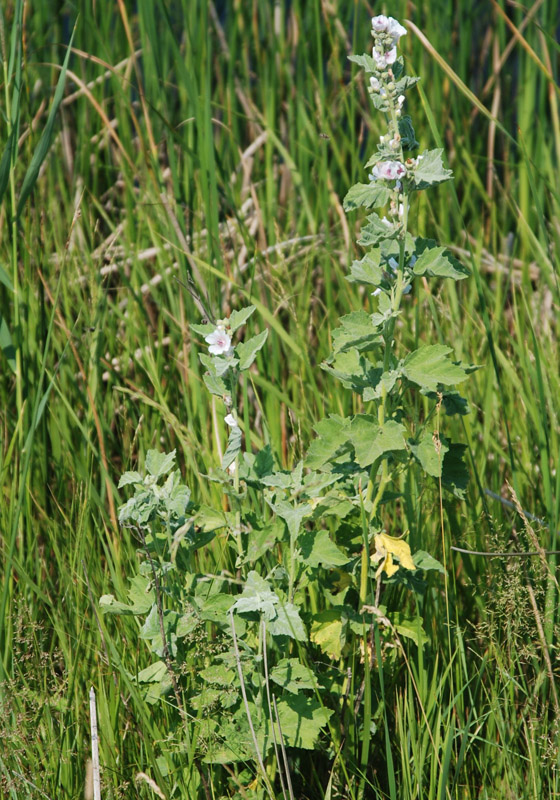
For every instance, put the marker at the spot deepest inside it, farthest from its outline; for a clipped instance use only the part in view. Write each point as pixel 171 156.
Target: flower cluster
pixel 387 32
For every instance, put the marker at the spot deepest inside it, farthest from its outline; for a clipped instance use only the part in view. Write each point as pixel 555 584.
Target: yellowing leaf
pixel 388 546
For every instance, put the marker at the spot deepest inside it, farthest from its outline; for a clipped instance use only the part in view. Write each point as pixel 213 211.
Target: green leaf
pixel 215 385
pixel 455 475
pixel 367 269
pixel 429 367
pixel 356 330
pixel 301 720
pixel 292 515
pixel 425 561
pixel 233 447
pixel 5 164
pixel 437 262
pixel 430 170
pixel 293 676
pixel 247 351
pixel 202 330
pixel 109 605
pixel 210 519
pixel 262 540
pixel 141 594
pixel 376 231
pixel 369 195
pixel 287 623
pixel 257 597
pixel 328 632
pixel 282 618
pixel 130 477
pixel 405 83
pixel 5 279
pixel 332 435
pixel 240 317
pixel 6 344
pixel 365 61
pixel 406 130
pixel 430 453
pixel 218 674
pixel 215 607
pixel 371 442
pixel 46 137
pixel 353 370
pixel 318 549
pixel 152 674
pixel 384 311
pixel 386 381
pixel 216 365
pixel 453 403
pixel 159 464
pixel 410 628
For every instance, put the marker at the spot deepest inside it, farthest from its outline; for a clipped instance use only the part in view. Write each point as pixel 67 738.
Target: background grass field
pixel 216 140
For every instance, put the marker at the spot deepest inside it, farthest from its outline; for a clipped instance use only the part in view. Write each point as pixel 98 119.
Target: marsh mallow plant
pixel 287 644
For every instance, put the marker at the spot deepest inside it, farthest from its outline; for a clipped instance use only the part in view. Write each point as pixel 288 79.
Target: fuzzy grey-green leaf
pixel 247 351
pixel 429 366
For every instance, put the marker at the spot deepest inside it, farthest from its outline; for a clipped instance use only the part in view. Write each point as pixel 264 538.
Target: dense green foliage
pixel 214 143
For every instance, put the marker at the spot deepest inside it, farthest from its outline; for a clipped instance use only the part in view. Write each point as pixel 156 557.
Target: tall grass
pixel 211 143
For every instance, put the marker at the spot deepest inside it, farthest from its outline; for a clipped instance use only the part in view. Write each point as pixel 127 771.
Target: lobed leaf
pixel 437 262
pixel 356 330
pixel 429 367
pixel 370 441
pixel 430 170
pixel 247 351
pixel 369 195
pixel 240 317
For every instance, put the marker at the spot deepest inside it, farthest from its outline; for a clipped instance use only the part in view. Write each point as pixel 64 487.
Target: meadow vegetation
pixel 165 166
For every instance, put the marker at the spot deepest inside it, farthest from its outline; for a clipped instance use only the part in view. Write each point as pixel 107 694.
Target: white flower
pixel 232 467
pixel 389 170
pixel 380 23
pixel 400 99
pixel 230 420
pixel 393 264
pixel 219 341
pixel 401 210
pixel 374 83
pixel 395 29
pixel 384 59
pixel 376 292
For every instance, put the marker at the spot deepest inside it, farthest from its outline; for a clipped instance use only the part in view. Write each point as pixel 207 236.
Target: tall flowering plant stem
pixel 374 448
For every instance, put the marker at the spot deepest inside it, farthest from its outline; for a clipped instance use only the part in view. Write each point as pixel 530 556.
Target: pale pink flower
pixel 230 420
pixel 384 59
pixel 380 23
pixel 395 29
pixel 389 170
pixel 219 341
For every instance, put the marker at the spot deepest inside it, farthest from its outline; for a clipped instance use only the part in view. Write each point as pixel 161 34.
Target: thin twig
pixel 516 554
pixel 267 685
pixel 284 754
pixel 247 710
